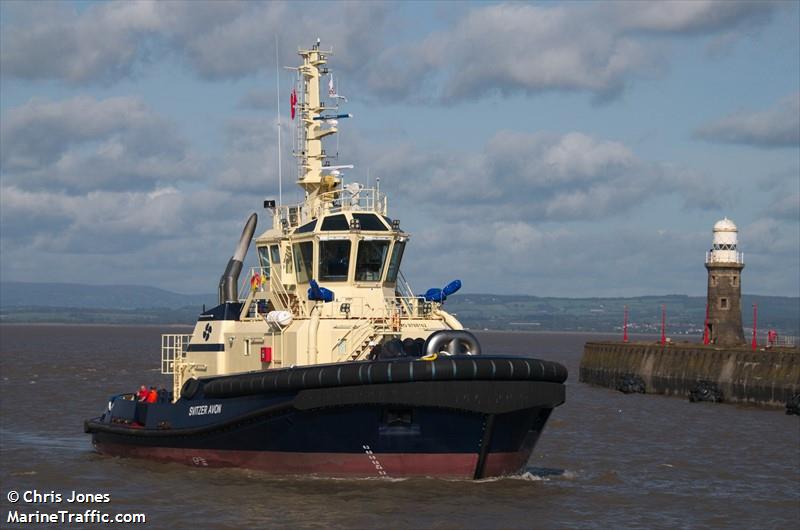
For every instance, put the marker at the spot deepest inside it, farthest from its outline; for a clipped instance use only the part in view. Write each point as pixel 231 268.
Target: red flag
pixel 293 101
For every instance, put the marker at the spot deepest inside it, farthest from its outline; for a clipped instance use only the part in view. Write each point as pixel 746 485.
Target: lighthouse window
pixel 394 262
pixel 723 303
pixel 370 260
pixel 734 280
pixel 334 260
pixel 304 261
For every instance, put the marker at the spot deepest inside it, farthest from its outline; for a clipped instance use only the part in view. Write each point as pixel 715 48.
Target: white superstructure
pixel 340 236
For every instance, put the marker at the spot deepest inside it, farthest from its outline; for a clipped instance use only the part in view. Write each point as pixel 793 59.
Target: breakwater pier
pixel 766 377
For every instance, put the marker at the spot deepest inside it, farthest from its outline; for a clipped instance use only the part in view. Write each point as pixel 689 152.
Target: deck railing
pixel 173 346
pixel 341 200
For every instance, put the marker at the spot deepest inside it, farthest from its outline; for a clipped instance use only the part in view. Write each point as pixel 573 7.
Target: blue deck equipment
pixel 315 292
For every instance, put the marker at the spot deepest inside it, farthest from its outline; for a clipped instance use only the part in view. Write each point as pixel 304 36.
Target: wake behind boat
pixel 330 364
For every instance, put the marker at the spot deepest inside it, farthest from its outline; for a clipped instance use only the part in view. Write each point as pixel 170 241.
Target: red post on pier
pixel 663 324
pixel 625 326
pixel 755 325
pixel 706 338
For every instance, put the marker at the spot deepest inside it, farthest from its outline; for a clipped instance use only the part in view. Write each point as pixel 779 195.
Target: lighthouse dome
pixel 724 247
pixel 725 225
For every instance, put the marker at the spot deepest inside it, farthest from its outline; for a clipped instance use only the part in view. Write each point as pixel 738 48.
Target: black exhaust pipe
pixel 229 282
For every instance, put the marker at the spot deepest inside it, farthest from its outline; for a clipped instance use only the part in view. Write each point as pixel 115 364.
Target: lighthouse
pixel 725 263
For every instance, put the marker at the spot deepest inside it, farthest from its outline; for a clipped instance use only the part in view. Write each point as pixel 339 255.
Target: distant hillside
pixel 685 314
pixel 130 304
pixel 60 295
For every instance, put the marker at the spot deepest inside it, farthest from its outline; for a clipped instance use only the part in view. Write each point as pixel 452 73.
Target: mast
pixel 311 155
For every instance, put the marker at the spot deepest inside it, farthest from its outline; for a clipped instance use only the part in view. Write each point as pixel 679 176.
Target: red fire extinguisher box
pixel 266 354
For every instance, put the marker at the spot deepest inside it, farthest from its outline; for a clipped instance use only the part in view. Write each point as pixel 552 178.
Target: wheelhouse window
pixel 304 261
pixel 275 254
pixel 394 261
pixel 370 259
pixel 335 222
pixel 308 227
pixel 263 260
pixel 370 222
pixel 334 260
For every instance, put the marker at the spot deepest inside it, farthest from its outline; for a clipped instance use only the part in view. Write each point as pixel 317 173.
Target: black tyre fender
pixel 190 388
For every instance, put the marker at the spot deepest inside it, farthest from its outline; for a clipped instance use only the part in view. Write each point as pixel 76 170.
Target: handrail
pixel 173 348
pixel 271 285
pixel 246 282
pixel 252 283
pixel 403 287
pixel 276 286
pixel 363 200
pixel 360 334
pixel 408 307
pixel 724 256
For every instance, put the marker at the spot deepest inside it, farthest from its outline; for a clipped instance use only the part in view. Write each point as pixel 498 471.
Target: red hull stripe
pixel 366 464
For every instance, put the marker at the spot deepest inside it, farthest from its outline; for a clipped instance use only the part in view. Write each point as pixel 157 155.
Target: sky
pixel 573 149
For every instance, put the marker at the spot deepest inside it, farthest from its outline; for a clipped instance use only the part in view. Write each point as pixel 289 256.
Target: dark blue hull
pixel 443 427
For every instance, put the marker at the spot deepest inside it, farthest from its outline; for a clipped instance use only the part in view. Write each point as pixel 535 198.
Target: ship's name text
pixel 202 410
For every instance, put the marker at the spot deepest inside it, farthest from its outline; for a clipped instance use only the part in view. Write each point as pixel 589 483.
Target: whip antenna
pixel 278 96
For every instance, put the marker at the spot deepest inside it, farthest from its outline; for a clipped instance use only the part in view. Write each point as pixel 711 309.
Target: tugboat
pixel 324 361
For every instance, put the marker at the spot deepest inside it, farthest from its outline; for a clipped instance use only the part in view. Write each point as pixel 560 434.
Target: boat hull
pixel 440 465
pixel 442 428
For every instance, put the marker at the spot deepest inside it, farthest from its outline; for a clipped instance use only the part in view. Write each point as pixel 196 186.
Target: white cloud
pixel 176 239
pixel 109 41
pixel 778 126
pixel 46 40
pixel 537 177
pixel 691 16
pixel 597 48
pixel 77 221
pixel 531 258
pixel 82 144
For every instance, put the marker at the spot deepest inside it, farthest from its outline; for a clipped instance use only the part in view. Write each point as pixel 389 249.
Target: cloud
pixel 778 126
pixel 510 48
pixel 692 16
pixel 538 177
pixel 784 188
pixel 597 48
pixel 82 144
pixel 52 40
pixel 259 99
pixel 550 260
pixel 110 41
pixel 97 222
pixel 108 188
pixel 250 161
pixel 515 47
pixel 177 239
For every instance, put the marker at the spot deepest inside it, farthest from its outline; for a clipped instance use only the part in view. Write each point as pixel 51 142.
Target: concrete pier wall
pixel 761 377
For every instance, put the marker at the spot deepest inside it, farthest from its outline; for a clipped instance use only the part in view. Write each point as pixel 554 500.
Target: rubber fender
pixel 411 348
pixel 452 339
pixel 190 388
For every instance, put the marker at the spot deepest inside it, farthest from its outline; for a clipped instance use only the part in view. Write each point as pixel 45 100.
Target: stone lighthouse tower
pixel 724 263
